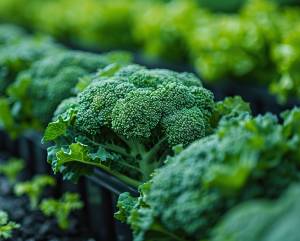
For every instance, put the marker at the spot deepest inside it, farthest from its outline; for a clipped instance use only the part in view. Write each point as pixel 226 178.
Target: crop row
pixel 257 43
pixel 201 166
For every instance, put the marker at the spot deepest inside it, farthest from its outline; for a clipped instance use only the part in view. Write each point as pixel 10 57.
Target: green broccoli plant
pixel 38 90
pixel 17 56
pixel 246 158
pixel 128 123
pixel 6 226
pixel 34 188
pixel 11 169
pixel 260 42
pixel 61 208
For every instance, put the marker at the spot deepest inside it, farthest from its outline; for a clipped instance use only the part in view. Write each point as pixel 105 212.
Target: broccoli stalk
pixel 148 159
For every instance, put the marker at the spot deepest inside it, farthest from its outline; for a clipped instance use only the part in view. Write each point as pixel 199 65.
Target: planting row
pixel 258 42
pixel 32 198
pixel 98 193
pixel 26 203
pixel 204 169
pixel 37 74
pixel 230 185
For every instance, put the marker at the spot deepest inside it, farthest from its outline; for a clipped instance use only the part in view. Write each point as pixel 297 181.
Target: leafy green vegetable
pixel 287 56
pixel 260 220
pixel 6 226
pixel 61 208
pixel 162 27
pixel 228 46
pixel 129 121
pixel 229 108
pixel 125 205
pixel 19 55
pixel 234 40
pixel 246 158
pixel 36 93
pixel 6 118
pixel 11 169
pixel 34 188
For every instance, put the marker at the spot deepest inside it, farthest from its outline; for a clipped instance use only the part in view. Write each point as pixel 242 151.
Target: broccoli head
pixel 40 89
pixel 61 70
pixel 140 114
pixel 245 158
pixel 137 105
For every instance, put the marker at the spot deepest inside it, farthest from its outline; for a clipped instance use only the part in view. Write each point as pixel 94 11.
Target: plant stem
pixel 122 177
pixel 112 147
pixel 148 162
pixel 152 153
pixel 130 166
pixel 116 148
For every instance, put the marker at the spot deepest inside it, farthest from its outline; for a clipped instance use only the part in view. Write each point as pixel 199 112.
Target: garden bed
pixel 99 192
pixel 34 225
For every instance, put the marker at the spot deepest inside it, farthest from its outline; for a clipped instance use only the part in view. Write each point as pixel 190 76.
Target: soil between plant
pixel 34 225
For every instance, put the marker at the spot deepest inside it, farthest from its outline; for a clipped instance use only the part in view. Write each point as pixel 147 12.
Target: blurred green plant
pixel 232 40
pixel 245 159
pixel 34 189
pixel 221 5
pixel 259 220
pixel 287 57
pixel 61 208
pixel 6 226
pixel 11 169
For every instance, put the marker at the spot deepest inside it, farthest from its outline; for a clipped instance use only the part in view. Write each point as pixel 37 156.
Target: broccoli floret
pixel 142 77
pixel 123 102
pixel 244 159
pixel 61 70
pixel 136 113
pixel 97 102
pixel 184 126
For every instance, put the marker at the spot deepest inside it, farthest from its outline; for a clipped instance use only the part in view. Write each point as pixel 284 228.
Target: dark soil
pixel 34 225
